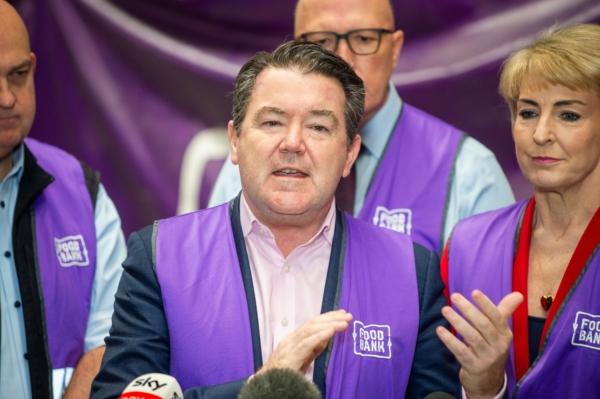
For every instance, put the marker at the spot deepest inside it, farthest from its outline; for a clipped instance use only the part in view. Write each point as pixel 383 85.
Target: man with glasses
pixel 415 174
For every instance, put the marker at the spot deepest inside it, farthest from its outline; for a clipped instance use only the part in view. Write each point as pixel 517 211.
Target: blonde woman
pixel 544 250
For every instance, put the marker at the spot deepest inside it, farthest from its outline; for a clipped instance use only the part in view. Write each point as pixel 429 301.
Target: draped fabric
pixel 128 86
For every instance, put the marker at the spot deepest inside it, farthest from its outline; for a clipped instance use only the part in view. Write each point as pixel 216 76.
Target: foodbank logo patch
pixel 399 219
pixel 71 251
pixel 372 340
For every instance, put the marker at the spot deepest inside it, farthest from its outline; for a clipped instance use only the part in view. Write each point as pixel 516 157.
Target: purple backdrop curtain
pixel 125 85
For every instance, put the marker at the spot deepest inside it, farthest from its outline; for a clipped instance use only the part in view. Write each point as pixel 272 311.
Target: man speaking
pixel 278 278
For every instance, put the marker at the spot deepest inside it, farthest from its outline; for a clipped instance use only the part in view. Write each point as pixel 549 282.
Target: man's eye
pixel 320 128
pixel 365 39
pixel 569 116
pixel 271 123
pixel 20 73
pixel 527 114
pixel 325 42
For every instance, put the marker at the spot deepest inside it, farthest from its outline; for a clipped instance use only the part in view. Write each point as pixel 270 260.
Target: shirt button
pixel 7 254
pixel 2 204
pixel 284 322
pixel 17 304
pixel 286 268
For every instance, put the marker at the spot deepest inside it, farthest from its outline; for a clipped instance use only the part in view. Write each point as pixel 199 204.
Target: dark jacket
pixel 33 182
pixel 139 336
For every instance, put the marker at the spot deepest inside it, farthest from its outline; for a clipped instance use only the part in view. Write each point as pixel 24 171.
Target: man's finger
pixel 337 319
pixel 312 346
pixel 335 315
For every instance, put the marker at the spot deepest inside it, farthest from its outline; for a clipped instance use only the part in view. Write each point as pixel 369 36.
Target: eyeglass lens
pixel 364 41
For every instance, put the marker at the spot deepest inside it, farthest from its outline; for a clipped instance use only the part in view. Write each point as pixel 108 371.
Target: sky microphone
pixel 153 386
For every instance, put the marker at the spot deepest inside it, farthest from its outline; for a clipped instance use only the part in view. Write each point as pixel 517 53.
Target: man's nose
pixel 7 97
pixel 293 140
pixel 344 51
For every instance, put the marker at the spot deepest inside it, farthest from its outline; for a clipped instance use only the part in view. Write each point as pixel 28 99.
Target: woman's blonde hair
pixel 568 56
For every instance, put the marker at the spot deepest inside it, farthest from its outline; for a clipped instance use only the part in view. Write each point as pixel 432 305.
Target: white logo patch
pixel 372 340
pixel 586 330
pixel 71 251
pixel 399 219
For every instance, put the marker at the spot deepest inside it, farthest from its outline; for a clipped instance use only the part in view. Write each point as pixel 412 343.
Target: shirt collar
pixel 376 132
pixel 251 225
pixel 17 160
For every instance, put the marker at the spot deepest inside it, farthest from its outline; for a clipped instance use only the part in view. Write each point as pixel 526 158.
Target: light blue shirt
pixel 111 251
pixel 479 184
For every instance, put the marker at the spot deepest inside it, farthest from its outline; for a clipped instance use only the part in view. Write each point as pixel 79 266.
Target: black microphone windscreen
pixel 439 395
pixel 279 384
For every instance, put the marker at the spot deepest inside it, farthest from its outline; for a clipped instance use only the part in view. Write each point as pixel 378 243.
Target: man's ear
pixel 397 43
pixel 233 142
pixel 33 61
pixel 353 151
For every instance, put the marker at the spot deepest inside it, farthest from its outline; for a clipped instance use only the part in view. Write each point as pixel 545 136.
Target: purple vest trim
pixel 65 237
pixel 569 361
pixel 204 299
pixel 207 313
pixel 374 357
pixel 410 188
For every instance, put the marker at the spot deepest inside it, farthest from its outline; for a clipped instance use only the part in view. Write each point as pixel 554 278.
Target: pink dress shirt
pixel 289 291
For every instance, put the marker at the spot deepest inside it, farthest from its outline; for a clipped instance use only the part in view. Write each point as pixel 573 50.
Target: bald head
pixel 12 27
pixel 305 8
pixel 343 16
pixel 17 92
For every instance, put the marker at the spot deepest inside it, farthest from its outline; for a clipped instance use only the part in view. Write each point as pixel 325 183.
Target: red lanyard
pixel 588 242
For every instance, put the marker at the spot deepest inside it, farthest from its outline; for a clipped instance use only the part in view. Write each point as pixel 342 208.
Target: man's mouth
pixel 9 122
pixel 289 172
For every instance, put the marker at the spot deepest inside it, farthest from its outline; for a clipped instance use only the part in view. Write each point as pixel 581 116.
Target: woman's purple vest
pixel 207 311
pixel 481 255
pixel 65 249
pixel 409 191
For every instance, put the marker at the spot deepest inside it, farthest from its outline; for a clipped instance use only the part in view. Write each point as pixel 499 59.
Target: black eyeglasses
pixel 360 41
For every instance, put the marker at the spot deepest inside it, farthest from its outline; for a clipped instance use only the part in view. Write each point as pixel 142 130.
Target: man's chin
pixel 8 143
pixel 10 138
pixel 295 206
pixel 289 210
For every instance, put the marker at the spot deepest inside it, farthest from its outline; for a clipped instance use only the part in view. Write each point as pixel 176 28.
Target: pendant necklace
pixel 546 301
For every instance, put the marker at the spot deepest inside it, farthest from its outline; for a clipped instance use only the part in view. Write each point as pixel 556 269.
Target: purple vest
pixel 207 310
pixel 481 255
pixel 65 248
pixel 409 190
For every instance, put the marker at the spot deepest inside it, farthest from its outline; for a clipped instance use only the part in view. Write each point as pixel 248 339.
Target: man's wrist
pixel 498 394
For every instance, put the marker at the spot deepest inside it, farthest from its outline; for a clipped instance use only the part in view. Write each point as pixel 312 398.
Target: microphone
pixel 279 384
pixel 153 386
pixel 439 395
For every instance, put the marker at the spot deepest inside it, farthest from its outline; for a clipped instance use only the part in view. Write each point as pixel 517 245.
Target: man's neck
pixel 5 165
pixel 368 115
pixel 291 231
pixel 377 128
pixel 290 237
